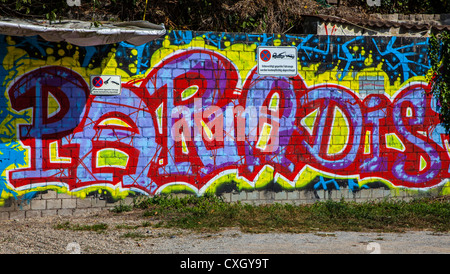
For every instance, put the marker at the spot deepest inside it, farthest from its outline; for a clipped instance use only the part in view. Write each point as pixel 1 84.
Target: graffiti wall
pixel 194 116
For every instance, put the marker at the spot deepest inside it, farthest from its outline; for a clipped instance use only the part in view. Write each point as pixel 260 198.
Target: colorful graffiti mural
pixel 195 115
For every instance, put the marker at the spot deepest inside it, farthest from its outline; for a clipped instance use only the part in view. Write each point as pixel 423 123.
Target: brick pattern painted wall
pixel 195 117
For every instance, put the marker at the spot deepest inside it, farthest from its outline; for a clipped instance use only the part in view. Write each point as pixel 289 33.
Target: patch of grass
pixel 125 226
pixel 134 235
pixel 76 227
pixel 122 208
pixel 146 224
pixel 211 213
pixel 62 226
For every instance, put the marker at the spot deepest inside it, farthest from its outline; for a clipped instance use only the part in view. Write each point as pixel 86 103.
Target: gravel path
pixel 126 234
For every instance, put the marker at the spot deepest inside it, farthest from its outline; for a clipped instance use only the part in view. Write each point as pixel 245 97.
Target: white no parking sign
pixel 277 61
pixel 106 84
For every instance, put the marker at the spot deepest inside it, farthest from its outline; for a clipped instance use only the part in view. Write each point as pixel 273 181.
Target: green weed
pixel 121 208
pixel 76 227
pixel 211 213
pixel 134 235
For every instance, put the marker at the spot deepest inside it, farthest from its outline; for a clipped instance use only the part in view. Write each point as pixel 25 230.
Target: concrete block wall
pixel 52 203
pixel 195 117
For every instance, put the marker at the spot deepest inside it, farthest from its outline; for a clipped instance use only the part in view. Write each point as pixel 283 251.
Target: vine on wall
pixel 439 56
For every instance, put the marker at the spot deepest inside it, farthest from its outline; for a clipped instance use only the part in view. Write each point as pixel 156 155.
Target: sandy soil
pixel 126 234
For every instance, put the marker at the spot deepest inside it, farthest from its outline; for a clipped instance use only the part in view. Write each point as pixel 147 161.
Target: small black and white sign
pixel 106 85
pixel 277 61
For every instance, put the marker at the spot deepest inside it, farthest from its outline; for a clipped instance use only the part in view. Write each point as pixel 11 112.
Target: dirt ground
pixel 126 233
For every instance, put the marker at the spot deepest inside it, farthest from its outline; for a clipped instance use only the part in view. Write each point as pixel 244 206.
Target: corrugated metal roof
pixel 82 33
pixel 381 23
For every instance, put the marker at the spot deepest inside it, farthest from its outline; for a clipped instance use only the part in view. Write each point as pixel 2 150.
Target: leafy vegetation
pixel 76 227
pixel 227 15
pixel 211 213
pixel 121 208
pixel 439 56
pixel 270 16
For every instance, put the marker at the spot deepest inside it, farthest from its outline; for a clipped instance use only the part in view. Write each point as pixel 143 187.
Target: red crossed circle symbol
pixel 98 82
pixel 265 55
